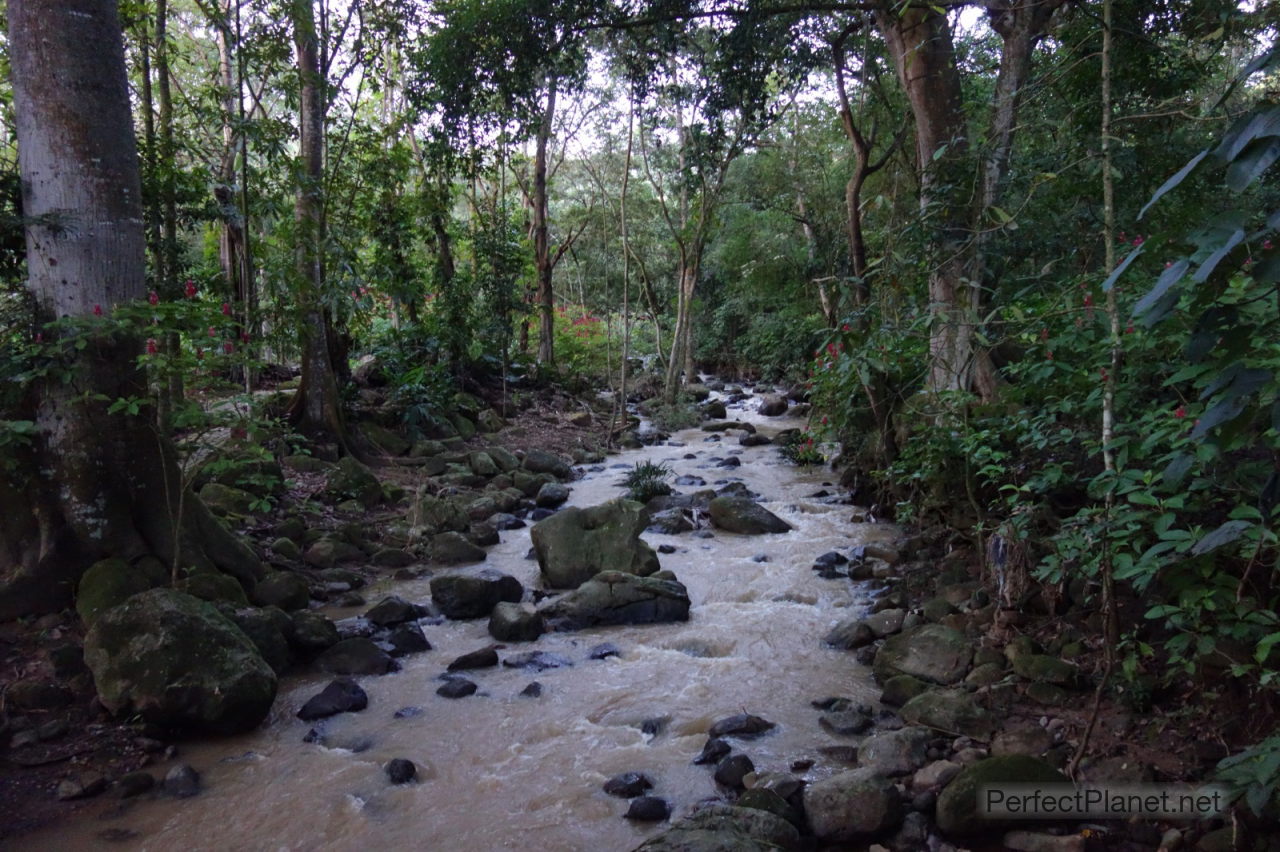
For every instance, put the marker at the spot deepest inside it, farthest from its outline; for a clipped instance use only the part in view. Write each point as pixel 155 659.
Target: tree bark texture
pixel 543 261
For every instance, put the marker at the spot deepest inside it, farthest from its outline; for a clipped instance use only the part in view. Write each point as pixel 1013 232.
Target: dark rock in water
pixel 713 752
pixel 852 805
pixel 754 439
pixel 743 725
pixel 603 651
pixel 341 696
pixel 515 622
pixel 312 633
pixel 648 809
pixel 628 785
pixel 742 515
pixel 134 784
pixel 537 661
pixel 612 597
pixel 457 688
pixel 541 514
pixel 773 406
pixel 760 557
pixel 670 522
pixel 732 461
pixel 408 712
pixel 182 782
pixel 733 769
pixel 689 479
pixel 577 544
pixel 481 659
pixel 533 690
pixel 845 723
pixel 704 534
pixel 313 736
pixel 483 534
pixel 551 495
pixel 830 559
pixel 393 610
pixel 406 639
pixel 850 634
pixel 401 771
pixel 686 456
pixel 356 657
pixel 85 786
pixel 462 596
pixel 504 521
pixel 666 548
pixel 656 725
pixel 833 702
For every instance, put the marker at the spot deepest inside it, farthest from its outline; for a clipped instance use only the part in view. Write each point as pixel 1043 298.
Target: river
pixel 502 771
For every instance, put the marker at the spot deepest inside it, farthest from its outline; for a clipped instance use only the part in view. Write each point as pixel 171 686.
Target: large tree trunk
pixel 91 484
pixel 543 261
pixel 317 409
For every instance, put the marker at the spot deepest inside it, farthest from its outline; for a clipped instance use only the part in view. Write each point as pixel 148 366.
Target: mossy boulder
pixel 1041 668
pixel 541 461
pixel 227 500
pixel 490 421
pixel 266 629
pixel 725 828
pixel 352 480
pixel 958 806
pixel 929 652
pixel 465 428
pixel 576 544
pixel 453 548
pixel 108 583
pixel 440 514
pixel 312 633
pixel 900 689
pixel 503 458
pixel 386 440
pixel 612 598
pixel 851 805
pixel 213 586
pixel 949 710
pixel 745 516
pixel 283 589
pixel 463 596
pixel 178 662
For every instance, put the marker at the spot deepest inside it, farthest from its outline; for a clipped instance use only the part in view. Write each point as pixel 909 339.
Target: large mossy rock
pixel 576 544
pixel 106 584
pixel 178 662
pixel 352 480
pixel 949 710
pixel 225 500
pixel 958 806
pixel 744 515
pixel 931 652
pixel 725 828
pixel 851 805
pixel 463 596
pixel 440 514
pixel 613 597
pixel 541 461
pixel 283 589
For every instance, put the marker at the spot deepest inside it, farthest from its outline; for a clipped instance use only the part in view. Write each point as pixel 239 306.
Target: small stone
pixel 81 787
pixel 481 659
pixel 457 688
pixel 733 769
pixel 533 690
pixel 182 782
pixel 406 638
pixel 648 809
pixel 53 729
pixel 712 752
pixel 743 725
pixel 407 712
pixel 666 549
pixel 604 651
pixel 134 784
pixel 1031 841
pixel 401 771
pixel 628 785
pixel 341 696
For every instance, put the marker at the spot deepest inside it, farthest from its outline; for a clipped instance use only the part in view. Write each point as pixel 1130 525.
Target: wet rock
pixel 930 652
pixel 604 651
pixel 577 544
pixel 393 557
pixel 541 461
pixel 648 809
pixel 950 710
pixel 405 639
pixel 744 516
pixel 628 785
pixel 612 598
pixel 328 552
pixel 850 634
pixel 54 729
pixel 830 559
pixel 845 723
pixel 106 584
pixel 773 406
pixel 1030 841
pixel 435 515
pixel 957 810
pixel 1042 668
pixel 743 725
pixel 351 479
pixel 1030 740
pixel 551 495
pixel 134 784
pixel 462 596
pixel 533 690
pixel 754 439
pixel 393 610
pixel 177 661
pixel 35 693
pixel 671 522
pixel 895 752
pixel 515 622
pixel 731 770
pixel 407 712
pixel 454 548
pixel 935 775
pixel 266 629
pixel 666 548
pixel 724 828
pixel 654 726
pixel 886 622
pixel 341 696
pixel 482 659
pixel 900 689
pixel 457 688
pixel 852 805
pixel 181 782
pixel 401 771
pixel 506 521
pixel 537 661
pixel 83 786
pixel 714 751
pixel 483 534
pixel 356 656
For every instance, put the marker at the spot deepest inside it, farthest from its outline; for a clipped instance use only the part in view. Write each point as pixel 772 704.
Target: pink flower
pixel 228 347
pixel 845 327
pixel 1266 245
pixel 244 337
pixel 39 337
pixel 152 348
pixel 1180 412
pixel 1129 329
pixel 190 289
pixel 1137 241
pixel 97 310
pixel 153 297
pixel 213 332
pixel 226 309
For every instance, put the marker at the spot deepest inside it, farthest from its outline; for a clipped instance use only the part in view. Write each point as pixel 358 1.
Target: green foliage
pixel 647 480
pixel 800 448
pixel 1252 775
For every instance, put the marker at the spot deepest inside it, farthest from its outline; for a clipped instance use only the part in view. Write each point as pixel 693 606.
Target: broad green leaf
pixel 1119 270
pixel 1206 268
pixel 1256 159
pixel 1223 412
pixel 1173 182
pixel 1172 275
pixel 1226 534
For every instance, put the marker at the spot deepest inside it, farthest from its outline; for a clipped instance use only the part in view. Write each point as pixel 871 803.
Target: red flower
pixel 244 337
pixel 1044 334
pixel 1137 241
pixel 152 348
pixel 1088 300
pixel 213 332
pixel 226 309
pixel 199 354
pixel 153 297
pixel 1129 329
pixel 97 310
pixel 1049 355
pixel 190 289
pixel 239 433
pixel 1266 244
pixel 1180 412
pixel 845 327
pixel 228 347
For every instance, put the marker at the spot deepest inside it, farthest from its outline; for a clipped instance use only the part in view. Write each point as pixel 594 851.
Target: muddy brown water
pixel 501 771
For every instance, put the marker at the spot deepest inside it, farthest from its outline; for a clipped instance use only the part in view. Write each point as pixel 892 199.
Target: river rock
pixel 850 634
pixel 457 687
pixel 886 622
pixel 731 770
pixel 929 652
pixel 328 552
pixel 482 659
pixel 178 662
pixel 957 809
pixel 434 515
pixel 628 785
pixel 541 461
pixel 743 725
pixel 551 495
pixel 935 775
pixel 714 751
pixel 134 784
pixel 213 586
pixel 670 522
pixel 745 516
pixel 845 723
pixel 950 710
pixel 393 610
pixel 895 752
pixel 312 633
pixel 266 629
pixel 725 828
pixel 404 639
pixel 181 782
pixel 1031 740
pixel 283 589
pixel 900 689
pixel 851 805
pixel 454 548
pixel 462 596
pixel 356 656
pixel 1041 668
pixel 352 480
pixel 612 598
pixel 576 544
pixel 648 809
pixel 86 785
pixel 516 622
pixel 773 406
pixel 108 583
pixel 341 696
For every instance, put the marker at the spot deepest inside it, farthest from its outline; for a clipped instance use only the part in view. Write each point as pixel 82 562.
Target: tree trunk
pixel 171 393
pixel 90 484
pixel 232 242
pixel 317 409
pixel 545 297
